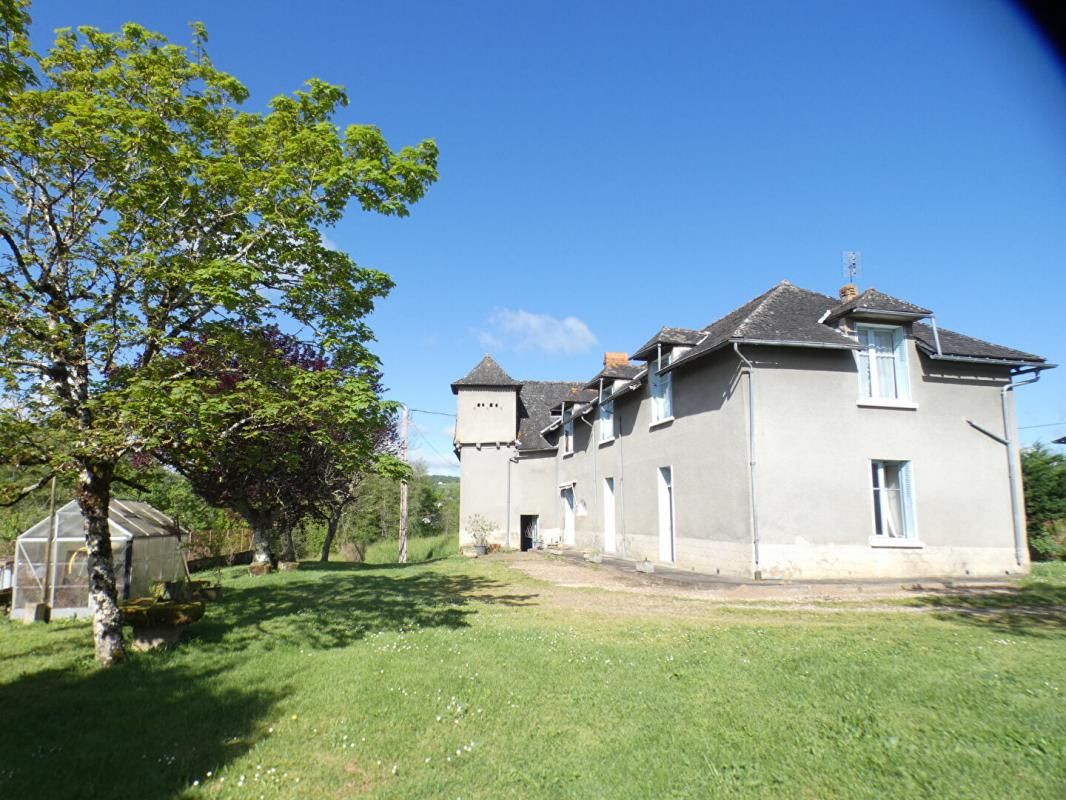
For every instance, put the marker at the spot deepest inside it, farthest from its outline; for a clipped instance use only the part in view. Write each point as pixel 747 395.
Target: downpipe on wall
pixel 513 459
pixel 1016 505
pixel 749 368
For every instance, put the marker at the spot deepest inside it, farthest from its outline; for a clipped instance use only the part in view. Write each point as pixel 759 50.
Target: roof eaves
pixel 991 361
pixel 692 356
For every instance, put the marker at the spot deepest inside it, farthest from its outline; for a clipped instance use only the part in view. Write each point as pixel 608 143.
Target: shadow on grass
pixel 349 602
pixel 143 730
pixel 1035 609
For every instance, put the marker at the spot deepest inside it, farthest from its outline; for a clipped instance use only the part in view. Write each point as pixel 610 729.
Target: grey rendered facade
pixel 800 436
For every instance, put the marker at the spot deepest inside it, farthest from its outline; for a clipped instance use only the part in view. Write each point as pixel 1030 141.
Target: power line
pixel 438 413
pixel 1045 425
pixel 429 444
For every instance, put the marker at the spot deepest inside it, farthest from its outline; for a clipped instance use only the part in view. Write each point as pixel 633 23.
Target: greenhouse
pixel 50 558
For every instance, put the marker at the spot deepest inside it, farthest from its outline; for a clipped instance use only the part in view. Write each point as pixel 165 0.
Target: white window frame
pixel 662 390
pixel 879 507
pixel 568 433
pixel 607 432
pixel 870 390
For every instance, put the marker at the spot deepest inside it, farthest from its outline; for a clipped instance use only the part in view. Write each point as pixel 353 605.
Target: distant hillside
pixel 444 478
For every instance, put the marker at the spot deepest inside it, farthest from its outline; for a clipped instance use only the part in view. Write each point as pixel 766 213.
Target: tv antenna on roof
pixel 852 261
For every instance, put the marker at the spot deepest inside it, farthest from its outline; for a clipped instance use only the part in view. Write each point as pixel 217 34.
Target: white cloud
pixel 524 330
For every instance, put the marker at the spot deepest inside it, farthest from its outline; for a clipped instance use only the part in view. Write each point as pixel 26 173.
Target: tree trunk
pixel 93 491
pixel 331 532
pixel 289 552
pixel 261 526
pixel 263 553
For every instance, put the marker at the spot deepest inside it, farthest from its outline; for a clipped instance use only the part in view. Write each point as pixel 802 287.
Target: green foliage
pixel 374 514
pixel 1044 473
pixel 428 548
pixel 137 201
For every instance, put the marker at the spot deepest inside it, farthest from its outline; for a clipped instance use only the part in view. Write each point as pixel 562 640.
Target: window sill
pixel 896 544
pixel 873 402
pixel 607 441
pixel 568 455
pixel 660 423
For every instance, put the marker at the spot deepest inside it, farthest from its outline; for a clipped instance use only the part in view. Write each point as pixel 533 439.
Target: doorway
pixel 609 545
pixel 567 496
pixel 666 514
pixel 528 525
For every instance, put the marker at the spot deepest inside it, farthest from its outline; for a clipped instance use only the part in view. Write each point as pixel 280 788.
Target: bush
pixel 1044 474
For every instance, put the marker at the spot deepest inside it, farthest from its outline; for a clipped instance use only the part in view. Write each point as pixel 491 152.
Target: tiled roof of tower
pixel 535 401
pixel 486 373
pixel 879 303
pixel 786 315
pixel 681 336
pixel 958 345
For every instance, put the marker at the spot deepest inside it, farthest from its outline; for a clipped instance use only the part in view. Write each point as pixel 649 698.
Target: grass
pixel 423 548
pixel 462 678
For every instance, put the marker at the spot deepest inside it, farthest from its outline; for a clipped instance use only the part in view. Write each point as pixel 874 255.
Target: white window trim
pixel 654 379
pixel 902 366
pixel 910 542
pixel 568 434
pixel 672 511
pixel 604 439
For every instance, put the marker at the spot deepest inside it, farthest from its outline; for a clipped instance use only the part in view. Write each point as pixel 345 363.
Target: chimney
pixel 615 360
pixel 848 292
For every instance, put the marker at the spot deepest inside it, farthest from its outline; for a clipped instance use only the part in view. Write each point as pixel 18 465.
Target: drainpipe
pixel 750 369
pixel 1016 506
pixel 512 460
pixel 621 490
pixel 936 335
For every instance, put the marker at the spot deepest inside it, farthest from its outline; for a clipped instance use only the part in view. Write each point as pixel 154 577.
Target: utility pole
pixel 403 488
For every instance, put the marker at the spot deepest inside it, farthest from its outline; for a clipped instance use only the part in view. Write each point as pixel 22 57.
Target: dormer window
pixel 606 420
pixel 568 432
pixel 882 361
pixel 662 400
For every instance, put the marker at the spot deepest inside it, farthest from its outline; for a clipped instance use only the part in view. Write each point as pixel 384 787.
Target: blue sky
pixel 609 168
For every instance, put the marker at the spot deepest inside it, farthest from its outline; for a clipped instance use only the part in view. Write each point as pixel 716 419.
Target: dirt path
pixel 567 571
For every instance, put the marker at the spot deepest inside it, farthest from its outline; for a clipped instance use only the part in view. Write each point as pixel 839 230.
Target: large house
pixel 800 436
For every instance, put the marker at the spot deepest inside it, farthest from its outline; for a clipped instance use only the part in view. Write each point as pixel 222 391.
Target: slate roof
pixel 535 401
pixel 486 373
pixel 616 372
pixel 786 315
pixel 875 302
pixel 677 336
pixel 958 345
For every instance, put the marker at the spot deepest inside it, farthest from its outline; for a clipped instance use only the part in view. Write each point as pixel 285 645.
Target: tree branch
pixel 26 491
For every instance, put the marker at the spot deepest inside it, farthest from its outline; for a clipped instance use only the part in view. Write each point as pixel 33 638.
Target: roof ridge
pixel 756 313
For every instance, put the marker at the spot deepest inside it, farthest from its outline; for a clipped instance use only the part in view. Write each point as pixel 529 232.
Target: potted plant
pixel 480 529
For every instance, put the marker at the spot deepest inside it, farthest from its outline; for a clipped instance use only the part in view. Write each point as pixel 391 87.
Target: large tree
pixel 137 202
pixel 261 423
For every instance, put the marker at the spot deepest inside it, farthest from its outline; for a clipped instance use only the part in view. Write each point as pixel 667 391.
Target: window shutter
pixel 903 377
pixel 906 490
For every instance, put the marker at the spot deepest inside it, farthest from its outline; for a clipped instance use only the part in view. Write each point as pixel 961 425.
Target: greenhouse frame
pixel 51 558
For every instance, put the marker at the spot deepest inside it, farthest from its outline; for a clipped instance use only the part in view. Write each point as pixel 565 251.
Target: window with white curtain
pixel 662 401
pixel 882 362
pixel 606 420
pixel 893 497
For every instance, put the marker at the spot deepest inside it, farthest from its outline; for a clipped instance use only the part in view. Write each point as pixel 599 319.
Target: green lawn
pixel 464 679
